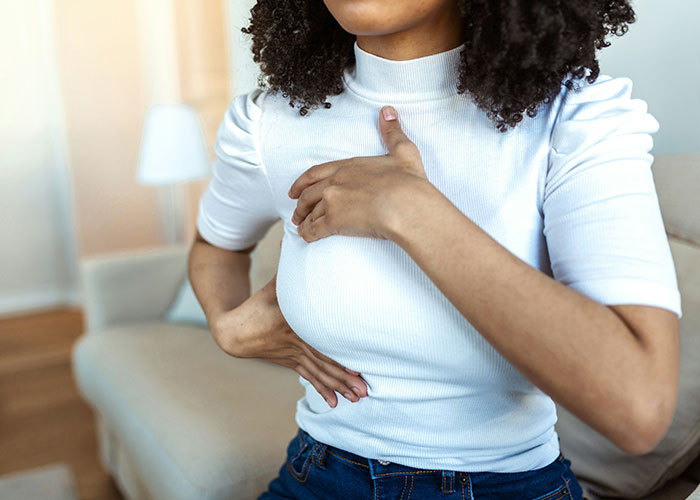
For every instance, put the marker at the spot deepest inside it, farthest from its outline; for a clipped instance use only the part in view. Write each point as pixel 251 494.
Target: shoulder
pixel 604 88
pixel 244 111
pixel 591 112
pixel 238 133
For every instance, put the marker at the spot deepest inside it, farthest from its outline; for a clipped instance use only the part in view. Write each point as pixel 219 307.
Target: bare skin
pixel 402 30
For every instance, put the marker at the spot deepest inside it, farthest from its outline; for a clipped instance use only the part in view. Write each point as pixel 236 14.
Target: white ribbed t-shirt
pixel 570 192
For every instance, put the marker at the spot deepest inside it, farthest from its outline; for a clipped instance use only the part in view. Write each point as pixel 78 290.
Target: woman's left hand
pixel 359 196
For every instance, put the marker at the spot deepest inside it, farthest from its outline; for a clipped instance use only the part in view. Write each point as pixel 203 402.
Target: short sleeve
pixel 238 208
pixel 602 220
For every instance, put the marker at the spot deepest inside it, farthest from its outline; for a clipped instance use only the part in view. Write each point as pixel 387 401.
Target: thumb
pixel 390 128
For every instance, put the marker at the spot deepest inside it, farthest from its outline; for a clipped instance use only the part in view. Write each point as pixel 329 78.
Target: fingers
pixel 307 369
pixel 350 386
pixel 315 174
pixel 324 391
pixel 337 370
pixel 325 358
pixel 390 129
pixel 333 377
pixel 315 226
pixel 308 200
pixel 325 374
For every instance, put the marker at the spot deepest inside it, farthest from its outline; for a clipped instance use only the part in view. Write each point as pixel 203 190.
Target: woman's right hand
pixel 257 329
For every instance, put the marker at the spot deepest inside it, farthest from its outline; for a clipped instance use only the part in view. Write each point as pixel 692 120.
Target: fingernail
pixel 356 391
pixel 349 397
pixel 389 113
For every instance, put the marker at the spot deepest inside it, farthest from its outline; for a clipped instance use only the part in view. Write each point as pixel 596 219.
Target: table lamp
pixel 173 151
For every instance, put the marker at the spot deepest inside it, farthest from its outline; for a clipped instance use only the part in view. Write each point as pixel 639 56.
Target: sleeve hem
pixel 210 234
pixel 631 291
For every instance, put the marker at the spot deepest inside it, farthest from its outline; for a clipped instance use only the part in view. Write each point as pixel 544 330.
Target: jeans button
pixel 383 462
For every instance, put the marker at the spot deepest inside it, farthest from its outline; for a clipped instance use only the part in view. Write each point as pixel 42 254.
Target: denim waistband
pixel 384 466
pixel 381 468
pixel 377 468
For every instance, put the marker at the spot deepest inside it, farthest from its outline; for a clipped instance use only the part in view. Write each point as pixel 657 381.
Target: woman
pixel 451 267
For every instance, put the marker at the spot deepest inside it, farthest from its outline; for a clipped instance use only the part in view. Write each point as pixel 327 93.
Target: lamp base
pixel 172 202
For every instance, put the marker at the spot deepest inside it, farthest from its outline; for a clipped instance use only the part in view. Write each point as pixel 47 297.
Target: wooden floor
pixel 43 420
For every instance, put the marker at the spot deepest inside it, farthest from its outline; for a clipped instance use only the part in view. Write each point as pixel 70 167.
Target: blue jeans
pixel 317 471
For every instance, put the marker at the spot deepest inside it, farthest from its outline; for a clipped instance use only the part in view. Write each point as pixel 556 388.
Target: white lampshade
pixel 173 147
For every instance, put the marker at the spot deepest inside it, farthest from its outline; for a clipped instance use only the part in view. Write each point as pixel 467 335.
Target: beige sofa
pixel 180 420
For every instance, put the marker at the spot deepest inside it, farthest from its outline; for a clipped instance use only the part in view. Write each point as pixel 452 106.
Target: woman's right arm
pixel 219 277
pixel 235 212
pixel 246 326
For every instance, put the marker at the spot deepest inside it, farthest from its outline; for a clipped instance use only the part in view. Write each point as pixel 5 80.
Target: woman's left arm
pixel 616 367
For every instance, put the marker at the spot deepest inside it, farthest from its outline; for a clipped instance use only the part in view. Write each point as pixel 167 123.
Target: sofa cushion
pixel 601 467
pixel 677 178
pixel 197 422
pixel 675 489
pixel 185 307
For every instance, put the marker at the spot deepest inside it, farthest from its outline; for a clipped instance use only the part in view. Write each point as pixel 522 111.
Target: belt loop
pixel 370 462
pixel 448 481
pixel 321 457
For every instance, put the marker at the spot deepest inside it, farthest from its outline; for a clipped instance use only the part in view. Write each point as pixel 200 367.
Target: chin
pixel 374 17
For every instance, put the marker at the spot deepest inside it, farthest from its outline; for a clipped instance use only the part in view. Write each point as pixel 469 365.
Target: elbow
pixel 223 333
pixel 223 340
pixel 648 425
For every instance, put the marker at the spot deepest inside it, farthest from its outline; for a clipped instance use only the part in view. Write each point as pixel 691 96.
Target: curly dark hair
pixel 517 52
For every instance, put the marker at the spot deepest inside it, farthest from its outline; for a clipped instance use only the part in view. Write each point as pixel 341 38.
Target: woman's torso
pixel 439 396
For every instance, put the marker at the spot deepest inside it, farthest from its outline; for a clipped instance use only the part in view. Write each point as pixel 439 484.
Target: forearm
pixel 219 278
pixel 574 349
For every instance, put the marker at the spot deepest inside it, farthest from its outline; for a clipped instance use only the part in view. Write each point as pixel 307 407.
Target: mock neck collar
pixel 389 81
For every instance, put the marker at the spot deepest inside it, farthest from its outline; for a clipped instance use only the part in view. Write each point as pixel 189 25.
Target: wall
pixel 244 69
pixel 100 68
pixel 37 253
pixel 119 57
pixel 78 77
pixel 204 75
pixel 661 54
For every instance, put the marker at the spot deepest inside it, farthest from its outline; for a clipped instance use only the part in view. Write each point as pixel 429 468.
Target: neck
pixel 439 32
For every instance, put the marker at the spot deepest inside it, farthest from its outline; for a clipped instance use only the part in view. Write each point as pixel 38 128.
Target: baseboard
pixel 49 297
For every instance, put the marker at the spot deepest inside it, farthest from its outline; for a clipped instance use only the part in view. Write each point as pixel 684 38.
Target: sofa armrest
pixel 130 286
